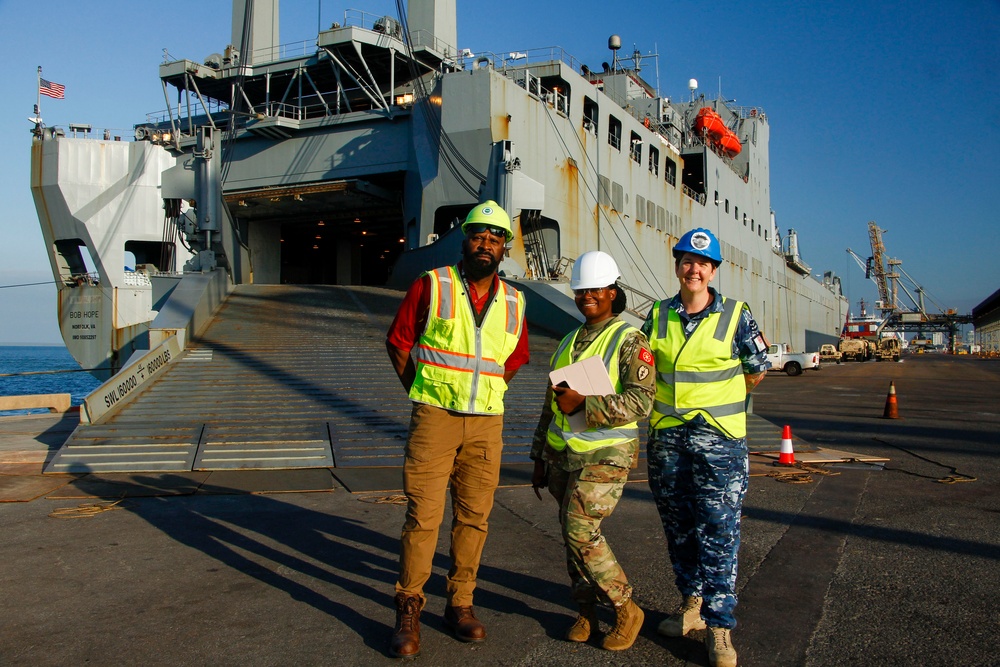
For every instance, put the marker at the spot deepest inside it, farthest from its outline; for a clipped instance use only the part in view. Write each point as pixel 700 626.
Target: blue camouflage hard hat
pixel 699 241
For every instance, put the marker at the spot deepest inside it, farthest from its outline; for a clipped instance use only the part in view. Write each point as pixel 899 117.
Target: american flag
pixel 51 89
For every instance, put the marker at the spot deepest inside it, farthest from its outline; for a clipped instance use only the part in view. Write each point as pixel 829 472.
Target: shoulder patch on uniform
pixel 760 343
pixel 641 373
pixel 646 356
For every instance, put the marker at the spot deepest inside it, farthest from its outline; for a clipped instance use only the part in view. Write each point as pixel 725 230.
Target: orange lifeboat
pixel 731 143
pixel 709 121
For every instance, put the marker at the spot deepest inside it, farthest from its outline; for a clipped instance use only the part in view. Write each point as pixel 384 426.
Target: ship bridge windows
pixel 590 114
pixel 635 148
pixel 654 161
pixel 614 132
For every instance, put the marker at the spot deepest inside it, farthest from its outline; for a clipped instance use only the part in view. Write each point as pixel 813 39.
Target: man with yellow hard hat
pixel 458 338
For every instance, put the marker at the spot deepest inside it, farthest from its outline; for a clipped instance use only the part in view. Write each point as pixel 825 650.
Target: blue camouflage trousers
pixel 699 479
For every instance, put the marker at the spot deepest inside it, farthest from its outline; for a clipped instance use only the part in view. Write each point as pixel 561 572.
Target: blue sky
pixel 879 111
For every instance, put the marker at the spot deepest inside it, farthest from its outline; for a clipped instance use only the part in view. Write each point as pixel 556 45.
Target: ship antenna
pixel 614 43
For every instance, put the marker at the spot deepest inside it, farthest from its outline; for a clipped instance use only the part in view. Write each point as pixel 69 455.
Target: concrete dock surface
pixel 855 564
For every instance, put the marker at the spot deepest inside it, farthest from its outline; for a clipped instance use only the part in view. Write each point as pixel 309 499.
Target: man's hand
pixel 568 400
pixel 539 478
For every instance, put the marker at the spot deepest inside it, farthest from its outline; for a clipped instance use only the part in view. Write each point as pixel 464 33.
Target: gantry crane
pixel 897 317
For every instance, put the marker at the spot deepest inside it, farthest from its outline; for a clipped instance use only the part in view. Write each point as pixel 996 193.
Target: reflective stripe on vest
pixel 607 346
pixel 460 366
pixel 697 375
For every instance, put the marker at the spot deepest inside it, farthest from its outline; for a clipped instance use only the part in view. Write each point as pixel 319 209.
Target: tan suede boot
pixel 628 623
pixel 686 618
pixel 721 652
pixel 585 623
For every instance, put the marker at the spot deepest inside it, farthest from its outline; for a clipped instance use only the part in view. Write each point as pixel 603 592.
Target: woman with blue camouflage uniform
pixel 709 355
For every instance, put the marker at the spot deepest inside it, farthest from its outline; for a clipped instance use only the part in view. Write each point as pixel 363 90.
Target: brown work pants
pixel 464 450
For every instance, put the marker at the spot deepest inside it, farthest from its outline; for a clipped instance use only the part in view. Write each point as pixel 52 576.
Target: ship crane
pixel 896 316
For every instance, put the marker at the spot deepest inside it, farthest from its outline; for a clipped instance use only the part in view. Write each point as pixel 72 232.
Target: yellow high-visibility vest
pixel 607 345
pixel 460 366
pixel 698 375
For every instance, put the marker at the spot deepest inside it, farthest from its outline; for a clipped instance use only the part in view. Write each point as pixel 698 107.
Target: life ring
pixel 646 122
pixel 753 112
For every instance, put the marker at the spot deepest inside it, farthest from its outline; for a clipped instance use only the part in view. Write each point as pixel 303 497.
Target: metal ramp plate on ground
pixel 110 448
pixel 264 447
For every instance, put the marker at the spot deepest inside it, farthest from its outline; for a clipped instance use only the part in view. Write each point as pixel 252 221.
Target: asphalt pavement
pixel 853 564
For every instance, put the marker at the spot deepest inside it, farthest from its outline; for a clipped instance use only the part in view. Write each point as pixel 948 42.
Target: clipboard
pixel 590 378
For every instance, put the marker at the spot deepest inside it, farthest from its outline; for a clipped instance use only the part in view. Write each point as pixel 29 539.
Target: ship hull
pixel 350 187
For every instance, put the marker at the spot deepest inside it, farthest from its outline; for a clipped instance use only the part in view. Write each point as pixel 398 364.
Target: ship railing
pixel 279 52
pixel 533 84
pixel 699 197
pixel 99 133
pixel 516 60
pixel 77 279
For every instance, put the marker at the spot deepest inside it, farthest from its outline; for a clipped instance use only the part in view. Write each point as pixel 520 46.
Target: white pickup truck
pixel 793 363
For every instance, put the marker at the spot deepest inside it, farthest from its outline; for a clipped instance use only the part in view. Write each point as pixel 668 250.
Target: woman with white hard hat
pixel 585 461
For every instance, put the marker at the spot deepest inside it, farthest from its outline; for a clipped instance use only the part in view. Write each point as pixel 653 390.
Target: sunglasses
pixel 479 229
pixel 594 291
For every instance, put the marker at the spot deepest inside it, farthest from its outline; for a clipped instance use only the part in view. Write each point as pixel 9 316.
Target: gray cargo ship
pixel 349 161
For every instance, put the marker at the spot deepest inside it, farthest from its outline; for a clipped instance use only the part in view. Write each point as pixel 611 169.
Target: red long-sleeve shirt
pixel 411 318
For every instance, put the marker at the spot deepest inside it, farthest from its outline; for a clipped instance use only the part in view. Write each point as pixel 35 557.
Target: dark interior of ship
pixel 334 233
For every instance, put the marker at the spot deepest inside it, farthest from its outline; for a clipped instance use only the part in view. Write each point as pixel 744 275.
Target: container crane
pixel 896 316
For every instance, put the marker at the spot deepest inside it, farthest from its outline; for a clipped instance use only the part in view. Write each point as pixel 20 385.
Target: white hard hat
pixel 594 269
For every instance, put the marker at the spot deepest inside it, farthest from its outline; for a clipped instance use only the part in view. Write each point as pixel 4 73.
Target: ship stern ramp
pixel 282 377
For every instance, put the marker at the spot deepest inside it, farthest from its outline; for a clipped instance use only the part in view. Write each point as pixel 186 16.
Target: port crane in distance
pixel 897 316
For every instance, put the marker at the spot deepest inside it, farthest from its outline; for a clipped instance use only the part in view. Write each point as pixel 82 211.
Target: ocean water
pixel 18 360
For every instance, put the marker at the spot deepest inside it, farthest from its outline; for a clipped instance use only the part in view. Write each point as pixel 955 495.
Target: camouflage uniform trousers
pixel 586 497
pixel 699 479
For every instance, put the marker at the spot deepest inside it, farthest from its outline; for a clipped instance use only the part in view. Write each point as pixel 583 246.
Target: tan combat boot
pixel 406 636
pixel 628 623
pixel 585 623
pixel 686 617
pixel 721 652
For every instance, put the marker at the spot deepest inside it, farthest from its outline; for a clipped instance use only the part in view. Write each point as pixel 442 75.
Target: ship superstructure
pixel 349 161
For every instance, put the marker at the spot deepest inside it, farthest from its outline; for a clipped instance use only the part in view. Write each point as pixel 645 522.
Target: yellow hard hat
pixel 489 214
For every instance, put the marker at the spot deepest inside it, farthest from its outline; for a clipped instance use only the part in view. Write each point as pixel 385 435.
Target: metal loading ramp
pixel 285 376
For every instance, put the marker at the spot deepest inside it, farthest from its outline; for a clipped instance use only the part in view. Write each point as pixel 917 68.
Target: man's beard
pixel 475 269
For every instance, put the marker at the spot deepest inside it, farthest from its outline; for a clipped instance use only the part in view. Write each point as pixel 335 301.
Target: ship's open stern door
pixel 344 232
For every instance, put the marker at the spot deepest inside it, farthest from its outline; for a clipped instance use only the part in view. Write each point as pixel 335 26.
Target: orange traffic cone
pixel 787 455
pixel 891 409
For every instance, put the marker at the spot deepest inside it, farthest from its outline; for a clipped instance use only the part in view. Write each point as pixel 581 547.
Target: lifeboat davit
pixel 731 143
pixel 709 121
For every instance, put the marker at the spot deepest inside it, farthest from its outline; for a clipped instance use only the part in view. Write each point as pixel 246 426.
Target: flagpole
pixel 38 96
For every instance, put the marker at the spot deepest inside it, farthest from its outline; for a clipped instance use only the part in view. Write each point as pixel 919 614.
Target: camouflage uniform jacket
pixel 638 379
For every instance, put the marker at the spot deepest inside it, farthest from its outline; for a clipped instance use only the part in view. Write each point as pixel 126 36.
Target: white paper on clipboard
pixel 590 378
